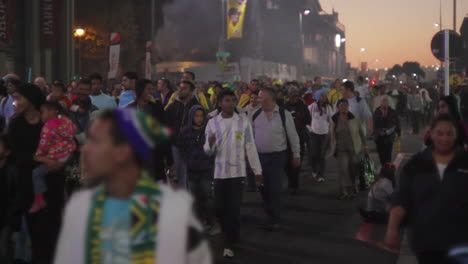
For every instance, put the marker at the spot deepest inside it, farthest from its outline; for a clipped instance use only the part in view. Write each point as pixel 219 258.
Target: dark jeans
pixel 415 120
pixel 273 165
pixel 318 144
pixel 384 148
pixel 250 179
pixel 432 257
pixel 293 173
pixel 200 184
pixel 228 195
pixel 44 226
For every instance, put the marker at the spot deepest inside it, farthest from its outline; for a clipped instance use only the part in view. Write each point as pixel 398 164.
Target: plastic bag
pixel 368 170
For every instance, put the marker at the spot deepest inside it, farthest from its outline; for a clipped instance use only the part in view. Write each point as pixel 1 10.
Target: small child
pixel 200 166
pixel 378 199
pixel 56 142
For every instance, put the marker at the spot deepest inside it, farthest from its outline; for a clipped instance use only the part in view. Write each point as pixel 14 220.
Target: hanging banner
pixel 148 67
pixel 49 22
pixel 114 55
pixel 235 18
pixel 7 20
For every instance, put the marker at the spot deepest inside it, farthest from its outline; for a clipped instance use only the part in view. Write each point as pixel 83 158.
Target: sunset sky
pixel 393 31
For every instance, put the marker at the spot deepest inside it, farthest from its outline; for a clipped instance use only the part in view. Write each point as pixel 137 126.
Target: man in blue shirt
pixel 98 98
pixel 128 82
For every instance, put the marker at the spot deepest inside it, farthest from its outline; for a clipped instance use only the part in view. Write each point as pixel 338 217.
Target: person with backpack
pixel 274 131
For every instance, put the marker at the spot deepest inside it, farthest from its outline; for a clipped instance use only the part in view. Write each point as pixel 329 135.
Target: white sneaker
pixel 228 253
pixel 320 179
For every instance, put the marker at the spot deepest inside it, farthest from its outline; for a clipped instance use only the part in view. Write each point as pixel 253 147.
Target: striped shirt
pixel 234 141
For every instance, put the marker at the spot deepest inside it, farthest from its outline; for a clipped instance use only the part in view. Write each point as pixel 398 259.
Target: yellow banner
pixel 235 18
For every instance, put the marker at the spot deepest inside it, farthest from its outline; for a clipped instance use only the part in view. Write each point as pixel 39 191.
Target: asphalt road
pixel 318 228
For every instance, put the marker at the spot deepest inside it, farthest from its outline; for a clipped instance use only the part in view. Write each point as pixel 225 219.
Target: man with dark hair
pixel 188 76
pixel 177 117
pixel 128 218
pixel 231 141
pixel 245 97
pixel 164 91
pixel 82 106
pixel 274 130
pixel 302 118
pixel 98 98
pixel 129 80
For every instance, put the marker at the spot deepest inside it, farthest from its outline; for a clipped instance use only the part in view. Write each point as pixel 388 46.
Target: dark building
pixel 464 34
pixel 282 39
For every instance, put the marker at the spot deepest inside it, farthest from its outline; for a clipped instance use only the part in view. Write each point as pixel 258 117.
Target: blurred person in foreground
pixel 128 218
pixel 431 196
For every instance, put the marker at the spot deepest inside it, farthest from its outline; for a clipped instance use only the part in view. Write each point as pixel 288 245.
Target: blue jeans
pixel 273 166
pixel 38 179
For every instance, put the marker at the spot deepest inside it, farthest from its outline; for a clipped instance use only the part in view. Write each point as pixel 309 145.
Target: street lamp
pixel 79 33
pixel 305 12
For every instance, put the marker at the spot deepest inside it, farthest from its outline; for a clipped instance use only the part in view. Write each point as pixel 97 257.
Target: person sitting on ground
pixel 379 197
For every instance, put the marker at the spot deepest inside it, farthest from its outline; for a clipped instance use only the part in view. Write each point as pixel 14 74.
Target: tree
pixel 396 70
pixel 412 67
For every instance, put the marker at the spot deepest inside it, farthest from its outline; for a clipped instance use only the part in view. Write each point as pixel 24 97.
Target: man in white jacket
pixel 128 218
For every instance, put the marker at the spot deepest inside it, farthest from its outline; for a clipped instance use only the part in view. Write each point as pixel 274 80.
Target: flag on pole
pixel 235 18
pixel 114 55
pixel 148 67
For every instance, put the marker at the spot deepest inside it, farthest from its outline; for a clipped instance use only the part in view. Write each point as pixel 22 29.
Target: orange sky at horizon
pixel 393 31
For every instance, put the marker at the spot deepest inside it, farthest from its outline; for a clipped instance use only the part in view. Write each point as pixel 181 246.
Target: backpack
pixel 283 122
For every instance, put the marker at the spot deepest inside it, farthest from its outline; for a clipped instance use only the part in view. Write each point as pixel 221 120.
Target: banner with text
pixel 49 23
pixel 235 18
pixel 7 20
pixel 114 55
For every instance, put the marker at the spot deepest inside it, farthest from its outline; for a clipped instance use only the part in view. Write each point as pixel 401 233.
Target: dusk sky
pixel 393 31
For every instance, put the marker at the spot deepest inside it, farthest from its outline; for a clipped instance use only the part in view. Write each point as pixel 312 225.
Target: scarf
pixel 144 211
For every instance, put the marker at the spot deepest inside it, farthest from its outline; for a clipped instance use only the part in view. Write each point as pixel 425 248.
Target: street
pixel 318 228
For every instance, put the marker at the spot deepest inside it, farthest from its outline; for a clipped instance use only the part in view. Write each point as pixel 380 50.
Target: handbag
pixel 368 170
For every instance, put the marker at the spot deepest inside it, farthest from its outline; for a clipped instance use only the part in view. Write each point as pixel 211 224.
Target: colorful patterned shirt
pixel 57 138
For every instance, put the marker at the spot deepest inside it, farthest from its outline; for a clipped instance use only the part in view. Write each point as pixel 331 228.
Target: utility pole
pixel 454 15
pixel 440 14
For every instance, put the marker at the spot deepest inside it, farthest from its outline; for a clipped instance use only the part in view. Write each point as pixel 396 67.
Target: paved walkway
pixel 319 228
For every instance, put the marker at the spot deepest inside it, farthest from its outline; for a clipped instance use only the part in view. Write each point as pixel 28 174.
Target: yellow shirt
pixel 334 96
pixel 200 97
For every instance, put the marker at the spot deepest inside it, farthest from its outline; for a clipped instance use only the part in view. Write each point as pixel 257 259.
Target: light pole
pixel 305 12
pixel 361 51
pixel 79 34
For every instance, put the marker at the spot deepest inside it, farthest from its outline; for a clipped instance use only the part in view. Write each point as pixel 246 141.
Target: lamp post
pixel 361 51
pixel 305 12
pixel 79 34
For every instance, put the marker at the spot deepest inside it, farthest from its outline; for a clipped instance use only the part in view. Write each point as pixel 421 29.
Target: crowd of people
pixel 104 150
